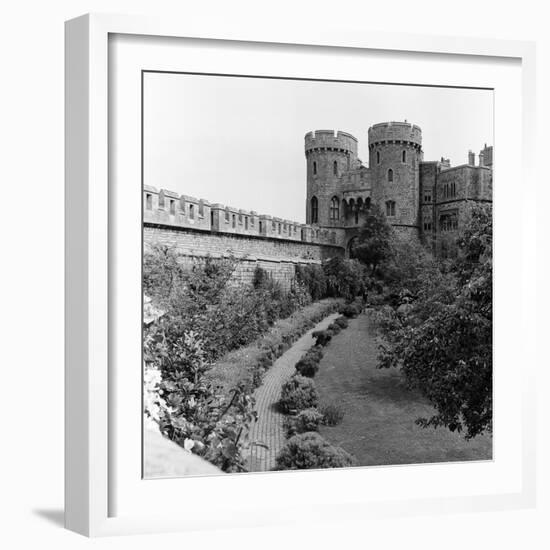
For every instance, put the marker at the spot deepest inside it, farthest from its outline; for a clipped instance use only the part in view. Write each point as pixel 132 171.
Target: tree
pixel 443 343
pixel 373 243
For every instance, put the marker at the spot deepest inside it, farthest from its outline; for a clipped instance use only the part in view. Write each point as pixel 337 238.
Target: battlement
pixel 395 132
pixel 164 207
pixel 331 140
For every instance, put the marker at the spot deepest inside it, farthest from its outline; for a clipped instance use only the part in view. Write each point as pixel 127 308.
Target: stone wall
pixel 277 256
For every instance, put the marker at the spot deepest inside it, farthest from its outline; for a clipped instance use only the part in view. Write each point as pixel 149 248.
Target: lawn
pixel 380 411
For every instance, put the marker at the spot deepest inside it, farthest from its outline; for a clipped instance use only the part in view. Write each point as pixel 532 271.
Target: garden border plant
pixel 306 448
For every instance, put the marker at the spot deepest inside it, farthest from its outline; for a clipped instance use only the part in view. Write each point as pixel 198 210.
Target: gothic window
pixel 390 208
pixel 172 207
pixel 314 210
pixel 191 212
pixel 149 201
pixel 404 156
pixel 390 175
pixel 233 220
pixel 427 226
pixel 314 168
pixel 279 229
pixel 227 216
pixel 246 222
pixel 260 227
pixel 334 208
pixel 428 195
pixel 377 157
pixel 335 168
pixel 367 203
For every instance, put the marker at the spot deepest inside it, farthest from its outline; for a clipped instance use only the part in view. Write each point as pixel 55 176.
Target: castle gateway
pixel 423 200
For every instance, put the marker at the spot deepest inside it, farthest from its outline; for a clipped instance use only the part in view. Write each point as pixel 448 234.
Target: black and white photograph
pixel 316 274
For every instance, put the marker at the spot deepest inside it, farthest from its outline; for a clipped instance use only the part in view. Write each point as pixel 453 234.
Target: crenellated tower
pixel 395 152
pixel 329 154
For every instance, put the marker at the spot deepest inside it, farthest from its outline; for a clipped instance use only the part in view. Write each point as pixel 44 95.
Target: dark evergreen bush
pixel 307 420
pixel 297 394
pixel 322 337
pixel 307 366
pixel 342 322
pixel 309 450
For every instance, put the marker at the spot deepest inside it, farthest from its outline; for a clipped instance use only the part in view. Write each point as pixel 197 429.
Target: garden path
pixel 267 434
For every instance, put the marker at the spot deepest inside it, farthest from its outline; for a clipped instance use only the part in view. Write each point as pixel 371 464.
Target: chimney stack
pixel 471 158
pixel 481 159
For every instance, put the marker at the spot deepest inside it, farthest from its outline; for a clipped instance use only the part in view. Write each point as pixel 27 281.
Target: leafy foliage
pixel 298 393
pixel 345 278
pixel 309 450
pixel 193 415
pixel 442 339
pixel 373 243
pixel 313 278
pixel 307 420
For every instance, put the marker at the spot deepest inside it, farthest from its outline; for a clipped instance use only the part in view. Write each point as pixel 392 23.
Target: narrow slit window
pixel 149 201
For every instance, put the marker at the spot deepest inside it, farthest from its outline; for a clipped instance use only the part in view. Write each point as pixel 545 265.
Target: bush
pixel 297 394
pixel 307 420
pixel 342 322
pixel 345 278
pixel 313 278
pixel 322 337
pixel 309 450
pixel 333 413
pixel 351 310
pixel 307 366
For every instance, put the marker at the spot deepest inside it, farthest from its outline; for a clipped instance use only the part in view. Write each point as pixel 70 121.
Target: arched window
pixel 390 208
pixel 314 210
pixel 149 201
pixel 233 220
pixel 390 175
pixel 404 156
pixel 335 168
pixel 314 168
pixel 191 212
pixel 367 203
pixel 334 209
pixel 377 157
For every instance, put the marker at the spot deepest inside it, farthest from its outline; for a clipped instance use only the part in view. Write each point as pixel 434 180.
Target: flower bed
pixel 248 364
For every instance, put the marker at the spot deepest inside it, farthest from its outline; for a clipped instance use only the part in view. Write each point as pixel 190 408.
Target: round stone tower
pixel 395 151
pixel 328 155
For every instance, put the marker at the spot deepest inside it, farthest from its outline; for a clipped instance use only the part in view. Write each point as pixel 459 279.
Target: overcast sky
pixel 240 141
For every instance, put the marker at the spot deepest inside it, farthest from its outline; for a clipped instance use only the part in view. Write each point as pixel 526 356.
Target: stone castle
pixel 425 200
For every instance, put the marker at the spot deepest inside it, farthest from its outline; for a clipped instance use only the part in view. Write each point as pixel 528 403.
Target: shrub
pixel 322 337
pixel 313 278
pixel 342 322
pixel 307 366
pixel 307 420
pixel 345 278
pixel 309 450
pixel 260 277
pixel 351 310
pixel 333 413
pixel 297 394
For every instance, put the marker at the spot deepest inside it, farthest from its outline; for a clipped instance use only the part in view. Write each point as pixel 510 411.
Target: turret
pixel 395 151
pixel 329 154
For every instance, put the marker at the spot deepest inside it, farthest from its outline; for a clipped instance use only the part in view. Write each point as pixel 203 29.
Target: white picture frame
pixel 91 216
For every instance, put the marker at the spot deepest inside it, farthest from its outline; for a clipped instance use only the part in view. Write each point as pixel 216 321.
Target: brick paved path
pixel 268 429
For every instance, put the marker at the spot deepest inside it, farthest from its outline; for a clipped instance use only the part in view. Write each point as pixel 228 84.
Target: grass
pixel 380 411
pixel 248 363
